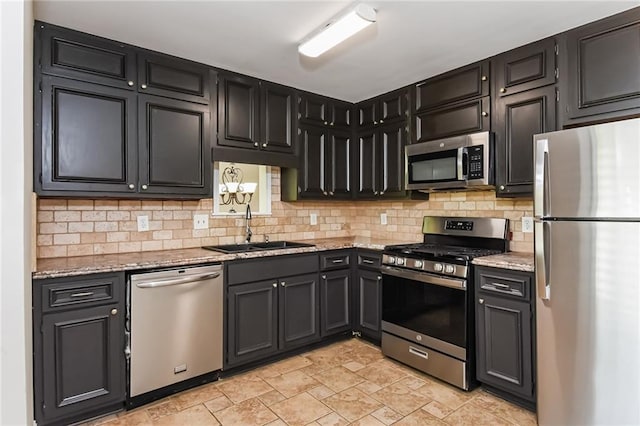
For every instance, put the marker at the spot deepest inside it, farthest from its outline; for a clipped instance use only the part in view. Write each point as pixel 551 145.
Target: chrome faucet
pixel 247 219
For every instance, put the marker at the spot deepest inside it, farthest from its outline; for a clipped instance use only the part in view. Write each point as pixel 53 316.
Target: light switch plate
pixel 527 224
pixel 383 218
pixel 313 218
pixel 143 223
pixel 200 221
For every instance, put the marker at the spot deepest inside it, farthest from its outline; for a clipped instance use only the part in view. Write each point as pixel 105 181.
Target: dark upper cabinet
pixel 516 119
pixel 383 109
pixel 174 147
pixel 322 111
pixel 278 126
pixel 505 333
pixel 238 111
pixel 325 163
pixel 380 169
pixel 87 138
pixel 525 68
pixel 299 304
pixel 164 75
pixel 457 119
pixel 600 69
pixel 469 82
pixel 66 53
pixel 79 360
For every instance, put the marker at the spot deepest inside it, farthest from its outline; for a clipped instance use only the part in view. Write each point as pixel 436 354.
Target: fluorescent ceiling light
pixel 338 30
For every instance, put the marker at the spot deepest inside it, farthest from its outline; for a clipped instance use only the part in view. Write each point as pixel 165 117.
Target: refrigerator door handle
pixel 541 183
pixel 541 236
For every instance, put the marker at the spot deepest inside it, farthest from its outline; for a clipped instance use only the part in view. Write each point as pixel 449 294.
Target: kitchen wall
pixel 85 227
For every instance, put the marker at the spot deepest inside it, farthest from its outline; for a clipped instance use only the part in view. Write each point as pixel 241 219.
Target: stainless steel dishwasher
pixel 175 324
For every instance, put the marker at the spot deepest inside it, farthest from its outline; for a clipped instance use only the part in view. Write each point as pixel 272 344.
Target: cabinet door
pixel 335 312
pixel 525 68
pixel 165 75
pixel 174 147
pixel 392 174
pixel 299 310
pixel 338 164
pixel 367 152
pixel 340 114
pixel 313 109
pixel 367 112
pixel 88 139
pixel 278 117
pixel 464 83
pixel 313 159
pixel 252 321
pixel 83 362
pixel 504 344
pixel 517 119
pixel 603 68
pixel 393 106
pixel 84 57
pixel 459 119
pixel 238 105
pixel 369 303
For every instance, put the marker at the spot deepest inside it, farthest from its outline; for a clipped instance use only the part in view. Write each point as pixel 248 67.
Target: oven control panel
pixel 440 268
pixel 458 225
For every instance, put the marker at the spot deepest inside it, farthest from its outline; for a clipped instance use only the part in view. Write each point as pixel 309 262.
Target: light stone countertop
pixel 517 261
pixel 81 265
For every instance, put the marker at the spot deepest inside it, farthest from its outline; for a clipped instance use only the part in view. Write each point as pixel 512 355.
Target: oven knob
pixel 449 269
pixel 399 261
pixel 418 263
pixel 437 267
pixel 392 260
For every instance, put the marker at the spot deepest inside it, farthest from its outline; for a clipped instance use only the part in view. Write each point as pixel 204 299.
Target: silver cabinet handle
pixel 83 294
pixel 132 186
pixel 114 311
pixel 143 86
pixel 481 301
pixel 483 78
pixel 144 187
pixel 338 260
pixel 274 285
pixel 500 285
pixel 130 83
pixel 370 262
pixel 484 113
pixel 178 281
pixel 418 352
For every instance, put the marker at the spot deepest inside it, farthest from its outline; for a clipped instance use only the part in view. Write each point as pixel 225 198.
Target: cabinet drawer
pixel 369 260
pixel 71 292
pixel 260 269
pixel 506 283
pixel 335 260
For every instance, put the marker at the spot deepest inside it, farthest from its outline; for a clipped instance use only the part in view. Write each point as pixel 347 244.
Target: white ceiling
pixel 411 40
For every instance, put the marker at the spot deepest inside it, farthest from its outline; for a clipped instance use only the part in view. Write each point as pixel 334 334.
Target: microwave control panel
pixel 476 156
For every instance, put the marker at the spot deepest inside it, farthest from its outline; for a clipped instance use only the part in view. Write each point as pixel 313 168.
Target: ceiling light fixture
pixel 338 29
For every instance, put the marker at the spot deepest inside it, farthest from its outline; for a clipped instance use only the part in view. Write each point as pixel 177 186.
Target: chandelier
pixel 233 190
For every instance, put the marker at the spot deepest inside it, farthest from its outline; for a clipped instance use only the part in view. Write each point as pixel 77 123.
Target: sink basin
pixel 242 248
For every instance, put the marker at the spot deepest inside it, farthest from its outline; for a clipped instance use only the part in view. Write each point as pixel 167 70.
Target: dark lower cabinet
pixel 505 333
pixel 335 292
pixel 367 295
pixel 79 341
pixel 299 302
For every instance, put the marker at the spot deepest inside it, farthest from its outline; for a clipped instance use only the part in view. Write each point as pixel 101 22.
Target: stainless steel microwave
pixel 458 163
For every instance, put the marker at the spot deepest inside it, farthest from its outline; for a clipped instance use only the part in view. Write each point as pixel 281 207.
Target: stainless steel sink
pixel 242 248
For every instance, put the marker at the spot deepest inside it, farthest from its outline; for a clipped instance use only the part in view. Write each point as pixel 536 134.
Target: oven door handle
pixel 424 277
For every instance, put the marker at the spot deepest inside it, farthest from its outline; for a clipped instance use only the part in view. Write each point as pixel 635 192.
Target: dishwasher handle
pixel 178 281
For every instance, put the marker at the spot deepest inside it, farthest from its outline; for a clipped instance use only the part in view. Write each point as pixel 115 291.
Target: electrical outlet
pixel 313 218
pixel 383 218
pixel 200 221
pixel 143 223
pixel 527 224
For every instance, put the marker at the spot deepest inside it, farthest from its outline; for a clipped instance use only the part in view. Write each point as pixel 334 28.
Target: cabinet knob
pixel 375 192
pixel 130 83
pixel 256 144
pixel 132 186
pixel 264 145
pixel 481 301
pixel 381 121
pixel 143 86
pixel 274 285
pixel 330 192
pixel 324 192
pixel 325 123
pixel 145 187
pixel 502 90
pixel 483 78
pixel 114 311
pixel 381 192
pixel 282 283
pixel 501 187
pixel 324 277
pixel 375 122
pixel 379 277
pixel 485 113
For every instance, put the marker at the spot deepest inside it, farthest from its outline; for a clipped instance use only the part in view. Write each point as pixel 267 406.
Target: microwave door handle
pixel 462 154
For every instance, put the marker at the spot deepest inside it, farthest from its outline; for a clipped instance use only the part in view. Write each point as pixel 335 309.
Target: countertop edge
pixel 515 261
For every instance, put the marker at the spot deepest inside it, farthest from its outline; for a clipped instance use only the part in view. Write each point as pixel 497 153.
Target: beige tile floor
pixel 349 382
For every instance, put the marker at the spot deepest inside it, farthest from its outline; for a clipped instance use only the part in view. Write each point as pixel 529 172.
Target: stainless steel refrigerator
pixel 587 259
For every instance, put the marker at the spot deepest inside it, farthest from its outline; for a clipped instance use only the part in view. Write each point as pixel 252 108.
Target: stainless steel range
pixel 427 296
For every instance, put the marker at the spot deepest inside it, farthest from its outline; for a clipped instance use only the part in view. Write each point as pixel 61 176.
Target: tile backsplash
pixel 70 227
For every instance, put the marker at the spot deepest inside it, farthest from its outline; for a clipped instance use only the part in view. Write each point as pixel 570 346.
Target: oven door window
pixel 427 309
pixel 434 167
